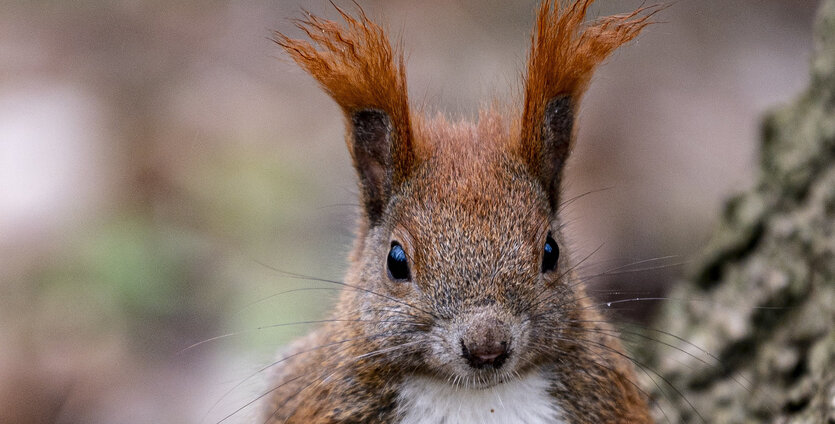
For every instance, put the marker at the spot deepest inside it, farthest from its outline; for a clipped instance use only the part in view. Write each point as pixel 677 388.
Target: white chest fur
pixel 526 400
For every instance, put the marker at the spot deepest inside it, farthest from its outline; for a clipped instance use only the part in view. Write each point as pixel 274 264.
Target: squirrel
pixel 460 304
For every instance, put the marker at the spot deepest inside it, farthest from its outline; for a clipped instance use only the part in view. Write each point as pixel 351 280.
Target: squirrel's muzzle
pixel 486 343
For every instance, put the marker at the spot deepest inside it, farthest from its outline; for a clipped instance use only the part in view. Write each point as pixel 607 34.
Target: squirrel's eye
pixel 550 255
pixel 398 265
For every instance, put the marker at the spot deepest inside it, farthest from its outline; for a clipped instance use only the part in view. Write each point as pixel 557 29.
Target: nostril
pixel 490 354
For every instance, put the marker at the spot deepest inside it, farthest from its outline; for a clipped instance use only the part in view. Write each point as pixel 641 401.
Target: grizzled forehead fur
pixel 472 200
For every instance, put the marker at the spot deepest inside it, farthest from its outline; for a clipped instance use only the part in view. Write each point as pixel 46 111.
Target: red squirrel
pixel 461 304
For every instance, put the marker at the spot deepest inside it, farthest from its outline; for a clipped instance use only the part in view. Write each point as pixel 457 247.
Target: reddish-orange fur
pixel 358 67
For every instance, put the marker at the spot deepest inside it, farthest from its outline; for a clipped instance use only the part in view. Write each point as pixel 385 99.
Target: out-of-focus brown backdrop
pixel 158 159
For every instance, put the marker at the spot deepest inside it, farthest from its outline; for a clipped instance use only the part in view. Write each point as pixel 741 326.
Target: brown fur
pixel 471 205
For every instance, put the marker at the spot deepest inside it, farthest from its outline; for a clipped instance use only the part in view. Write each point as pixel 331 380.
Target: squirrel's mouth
pixel 482 379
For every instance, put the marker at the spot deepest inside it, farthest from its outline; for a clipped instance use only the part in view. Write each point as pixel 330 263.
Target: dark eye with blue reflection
pixel 398 265
pixel 550 254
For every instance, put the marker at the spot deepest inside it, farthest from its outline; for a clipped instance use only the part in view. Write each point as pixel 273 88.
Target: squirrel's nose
pixel 491 354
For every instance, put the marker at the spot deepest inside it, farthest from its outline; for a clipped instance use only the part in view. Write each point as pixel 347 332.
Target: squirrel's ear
pixel 355 64
pixel 564 53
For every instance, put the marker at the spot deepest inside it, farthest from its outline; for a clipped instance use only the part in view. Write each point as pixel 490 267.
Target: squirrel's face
pixel 464 268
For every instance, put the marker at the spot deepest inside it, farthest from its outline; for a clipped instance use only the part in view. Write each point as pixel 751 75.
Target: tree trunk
pixel 761 299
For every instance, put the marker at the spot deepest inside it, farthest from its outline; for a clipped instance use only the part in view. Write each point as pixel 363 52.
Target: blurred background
pixel 160 160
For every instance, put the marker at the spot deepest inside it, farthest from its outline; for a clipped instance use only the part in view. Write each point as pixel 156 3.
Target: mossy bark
pixel 761 300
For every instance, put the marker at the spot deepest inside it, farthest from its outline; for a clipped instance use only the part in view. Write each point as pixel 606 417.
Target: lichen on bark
pixel 760 302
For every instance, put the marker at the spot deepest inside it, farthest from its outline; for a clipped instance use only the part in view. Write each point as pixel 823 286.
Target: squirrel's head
pixel 460 266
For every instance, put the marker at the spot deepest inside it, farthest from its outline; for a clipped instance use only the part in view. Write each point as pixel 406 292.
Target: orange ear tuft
pixel 355 64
